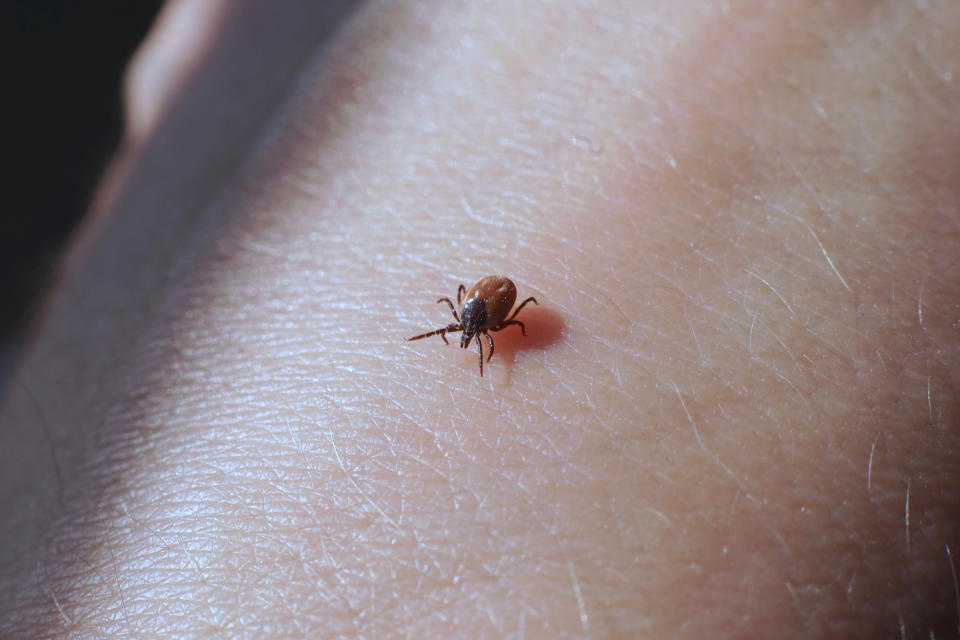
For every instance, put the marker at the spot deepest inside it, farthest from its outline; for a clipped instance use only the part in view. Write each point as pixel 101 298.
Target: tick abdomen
pixel 489 301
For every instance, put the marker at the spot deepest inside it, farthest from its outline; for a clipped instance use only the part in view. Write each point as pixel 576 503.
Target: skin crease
pixel 734 414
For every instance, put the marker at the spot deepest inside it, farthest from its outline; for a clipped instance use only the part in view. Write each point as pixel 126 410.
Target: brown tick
pixel 484 309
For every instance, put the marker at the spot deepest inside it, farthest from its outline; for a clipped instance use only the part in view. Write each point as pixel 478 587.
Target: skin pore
pixel 734 413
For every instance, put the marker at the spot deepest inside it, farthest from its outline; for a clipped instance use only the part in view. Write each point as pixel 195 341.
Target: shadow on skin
pixel 545 328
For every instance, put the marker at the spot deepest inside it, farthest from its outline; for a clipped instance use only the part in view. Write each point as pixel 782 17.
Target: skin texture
pixel 735 411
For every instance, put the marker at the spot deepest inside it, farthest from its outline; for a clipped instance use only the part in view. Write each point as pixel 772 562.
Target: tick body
pixel 483 310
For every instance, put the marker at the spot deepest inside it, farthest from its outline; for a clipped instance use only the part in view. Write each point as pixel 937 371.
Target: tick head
pixel 466 337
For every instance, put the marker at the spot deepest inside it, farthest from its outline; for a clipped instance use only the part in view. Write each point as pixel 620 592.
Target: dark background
pixel 64 63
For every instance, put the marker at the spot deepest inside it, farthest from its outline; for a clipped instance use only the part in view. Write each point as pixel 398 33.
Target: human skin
pixel 734 413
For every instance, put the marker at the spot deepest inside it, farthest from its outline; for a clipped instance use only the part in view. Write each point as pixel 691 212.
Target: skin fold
pixel 734 414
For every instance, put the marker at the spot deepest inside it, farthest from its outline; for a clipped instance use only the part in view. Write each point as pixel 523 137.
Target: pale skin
pixel 734 413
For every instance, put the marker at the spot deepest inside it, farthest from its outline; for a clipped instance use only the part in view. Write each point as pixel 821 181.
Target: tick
pixel 485 309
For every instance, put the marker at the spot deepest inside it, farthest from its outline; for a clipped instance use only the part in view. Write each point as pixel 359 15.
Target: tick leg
pixel 507 323
pixel 480 353
pixel 522 305
pixel 460 291
pixel 490 340
pixel 450 328
pixel 452 308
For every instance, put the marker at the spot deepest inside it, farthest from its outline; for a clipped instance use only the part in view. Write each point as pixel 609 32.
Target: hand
pixel 733 413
